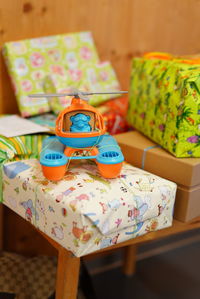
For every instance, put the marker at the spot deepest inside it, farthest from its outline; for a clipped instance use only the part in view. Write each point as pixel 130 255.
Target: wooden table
pixel 1 227
pixel 68 265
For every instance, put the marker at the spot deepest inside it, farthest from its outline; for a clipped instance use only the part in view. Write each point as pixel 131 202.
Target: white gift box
pixel 86 212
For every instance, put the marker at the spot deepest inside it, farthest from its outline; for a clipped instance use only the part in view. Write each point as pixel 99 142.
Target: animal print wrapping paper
pixel 85 212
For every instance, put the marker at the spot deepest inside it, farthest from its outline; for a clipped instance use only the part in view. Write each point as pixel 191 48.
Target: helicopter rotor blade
pixel 50 95
pixel 76 94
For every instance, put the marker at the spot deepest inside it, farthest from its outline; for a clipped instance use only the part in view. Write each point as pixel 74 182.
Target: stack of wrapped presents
pixel 164 106
pixel 84 211
pixel 59 64
pixel 146 154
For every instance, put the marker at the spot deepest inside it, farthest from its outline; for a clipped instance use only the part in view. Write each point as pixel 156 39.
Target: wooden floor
pixel 173 274
pixel 68 264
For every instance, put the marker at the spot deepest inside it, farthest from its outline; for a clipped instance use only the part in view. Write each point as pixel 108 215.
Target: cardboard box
pixel 143 153
pixel 137 148
pixel 187 204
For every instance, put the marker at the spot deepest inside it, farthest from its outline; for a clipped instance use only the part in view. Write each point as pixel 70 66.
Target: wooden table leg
pixel 129 262
pixel 67 275
pixel 1 227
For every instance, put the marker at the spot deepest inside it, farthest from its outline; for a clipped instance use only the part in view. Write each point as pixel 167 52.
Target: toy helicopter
pixel 80 134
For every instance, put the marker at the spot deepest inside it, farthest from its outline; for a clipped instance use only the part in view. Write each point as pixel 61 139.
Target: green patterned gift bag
pixel 164 103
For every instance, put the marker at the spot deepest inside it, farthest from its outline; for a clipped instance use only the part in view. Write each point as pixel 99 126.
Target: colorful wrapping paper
pixel 19 148
pixel 114 115
pixel 141 152
pixel 164 103
pixel 29 61
pixel 85 212
pixel 48 120
pixel 94 77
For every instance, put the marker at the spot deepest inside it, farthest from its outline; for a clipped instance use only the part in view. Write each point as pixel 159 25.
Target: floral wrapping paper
pixel 94 77
pixel 29 61
pixel 85 212
pixel 164 104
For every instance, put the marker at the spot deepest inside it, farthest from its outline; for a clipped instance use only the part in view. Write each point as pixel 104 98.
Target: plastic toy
pixel 80 134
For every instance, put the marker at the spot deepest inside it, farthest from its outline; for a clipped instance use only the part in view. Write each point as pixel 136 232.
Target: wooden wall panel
pixel 121 29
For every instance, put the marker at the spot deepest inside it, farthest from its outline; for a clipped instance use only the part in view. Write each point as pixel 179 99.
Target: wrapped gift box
pixel 19 148
pixel 164 103
pixel 85 212
pixel 143 153
pixel 114 112
pixel 48 120
pixel 29 61
pixel 94 77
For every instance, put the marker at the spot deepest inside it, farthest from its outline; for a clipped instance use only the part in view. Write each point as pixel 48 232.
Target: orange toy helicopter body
pixel 79 130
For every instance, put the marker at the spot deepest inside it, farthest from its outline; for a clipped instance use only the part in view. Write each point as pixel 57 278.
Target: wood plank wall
pixel 121 29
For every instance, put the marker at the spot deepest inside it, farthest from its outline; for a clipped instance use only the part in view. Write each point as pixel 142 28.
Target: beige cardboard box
pixel 187 204
pixel 143 153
